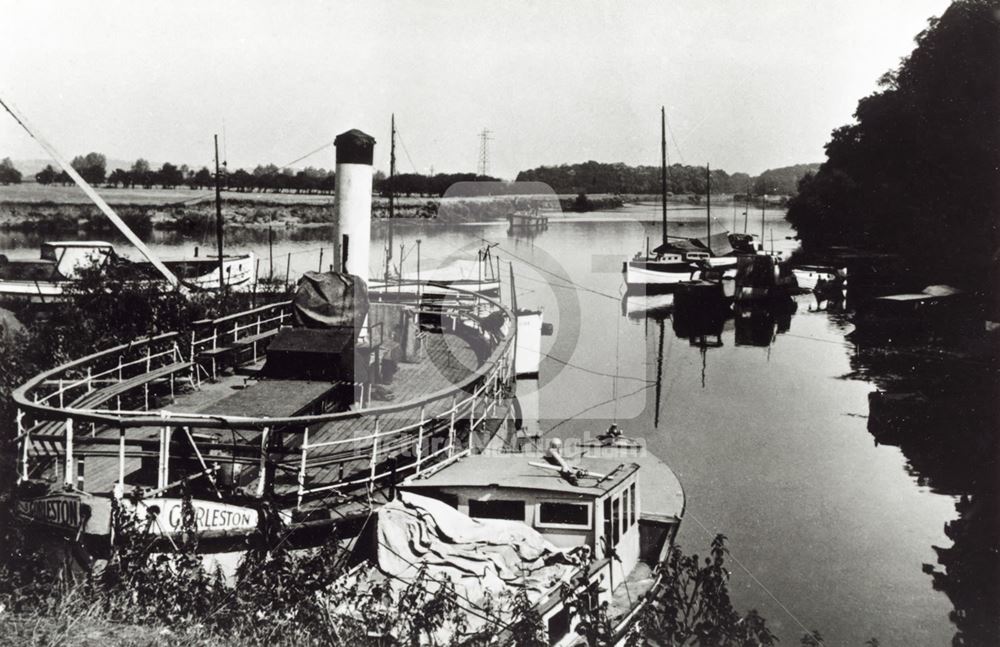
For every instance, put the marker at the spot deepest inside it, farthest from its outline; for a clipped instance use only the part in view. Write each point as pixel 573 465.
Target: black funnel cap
pixel 354 147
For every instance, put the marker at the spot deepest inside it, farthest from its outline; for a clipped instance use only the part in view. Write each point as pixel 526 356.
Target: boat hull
pixel 808 279
pixel 643 273
pixel 200 274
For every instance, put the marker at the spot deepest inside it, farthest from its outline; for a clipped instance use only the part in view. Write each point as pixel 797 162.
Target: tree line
pixel 588 177
pixel 264 178
pixel 916 173
pixel 598 177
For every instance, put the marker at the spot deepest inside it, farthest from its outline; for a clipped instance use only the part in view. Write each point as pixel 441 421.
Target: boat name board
pixel 208 515
pixel 60 510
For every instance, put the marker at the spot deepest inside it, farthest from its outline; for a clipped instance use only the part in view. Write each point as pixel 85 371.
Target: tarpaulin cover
pixel 330 300
pixel 480 557
pixel 720 245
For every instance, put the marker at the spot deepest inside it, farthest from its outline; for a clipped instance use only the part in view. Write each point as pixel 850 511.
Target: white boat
pixel 808 276
pixel 657 270
pixel 62 263
pixel 455 279
pixel 495 523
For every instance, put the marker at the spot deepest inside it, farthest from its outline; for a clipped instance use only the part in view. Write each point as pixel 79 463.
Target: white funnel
pixel 353 202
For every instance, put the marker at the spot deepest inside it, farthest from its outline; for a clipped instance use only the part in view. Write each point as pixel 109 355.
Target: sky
pixel 747 85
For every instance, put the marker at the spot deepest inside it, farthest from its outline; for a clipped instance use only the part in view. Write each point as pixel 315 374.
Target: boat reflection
pixel 638 307
pixel 759 324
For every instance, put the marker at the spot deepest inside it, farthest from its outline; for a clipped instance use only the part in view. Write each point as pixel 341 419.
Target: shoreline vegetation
pixel 49 209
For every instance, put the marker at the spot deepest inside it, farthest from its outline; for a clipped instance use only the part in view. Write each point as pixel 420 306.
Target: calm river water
pixel 766 430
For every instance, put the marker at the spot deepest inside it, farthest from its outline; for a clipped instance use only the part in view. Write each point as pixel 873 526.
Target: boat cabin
pixel 70 256
pixel 595 503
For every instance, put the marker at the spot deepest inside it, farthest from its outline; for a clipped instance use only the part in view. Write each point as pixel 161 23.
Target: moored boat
pixel 538 521
pixel 808 276
pixel 297 415
pixel 61 264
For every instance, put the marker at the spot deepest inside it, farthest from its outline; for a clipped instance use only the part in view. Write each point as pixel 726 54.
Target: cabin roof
pixel 906 297
pixel 77 243
pixel 516 472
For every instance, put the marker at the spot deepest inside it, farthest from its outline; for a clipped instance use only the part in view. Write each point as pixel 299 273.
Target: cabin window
pixel 608 543
pixel 497 509
pixel 631 507
pixel 562 513
pixel 626 509
pixel 616 522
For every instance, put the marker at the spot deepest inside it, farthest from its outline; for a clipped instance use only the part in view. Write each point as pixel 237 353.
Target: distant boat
pixel 808 276
pixel 456 279
pixel 679 259
pixel 61 264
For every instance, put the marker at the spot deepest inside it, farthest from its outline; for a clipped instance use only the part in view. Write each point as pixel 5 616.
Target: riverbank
pixel 51 209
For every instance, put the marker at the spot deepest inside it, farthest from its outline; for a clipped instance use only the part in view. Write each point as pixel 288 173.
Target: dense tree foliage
pixel 781 181
pixel 92 167
pixel 917 172
pixel 9 174
pixel 598 177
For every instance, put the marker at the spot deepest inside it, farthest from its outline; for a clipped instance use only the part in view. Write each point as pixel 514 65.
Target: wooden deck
pixel 447 359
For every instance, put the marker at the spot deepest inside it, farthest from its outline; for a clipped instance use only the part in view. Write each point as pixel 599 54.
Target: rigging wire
pixel 594 372
pixel 565 279
pixel 309 154
pixel 594 406
pixel 754 578
pixel 403 144
pixel 674 140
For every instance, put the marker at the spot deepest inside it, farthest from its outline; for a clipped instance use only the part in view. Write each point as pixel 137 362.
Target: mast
pixel 762 203
pixel 663 168
pixel 708 196
pixel 218 215
pixel 392 193
pixel 746 209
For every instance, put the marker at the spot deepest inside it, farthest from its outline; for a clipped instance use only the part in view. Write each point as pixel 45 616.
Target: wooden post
pixel 163 477
pixel 26 442
pixel 320 259
pixel 420 439
pixel 120 488
pixel 145 386
pixel 302 467
pixel 371 477
pixel 68 468
pixel 262 483
pixel 288 270
pixel 451 430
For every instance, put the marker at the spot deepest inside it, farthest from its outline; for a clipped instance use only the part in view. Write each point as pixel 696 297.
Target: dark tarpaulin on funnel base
pixel 330 300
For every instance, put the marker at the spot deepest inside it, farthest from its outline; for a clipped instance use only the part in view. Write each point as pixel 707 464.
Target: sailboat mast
pixel 663 168
pixel 708 196
pixel 392 193
pixel 762 203
pixel 218 215
pixel 746 209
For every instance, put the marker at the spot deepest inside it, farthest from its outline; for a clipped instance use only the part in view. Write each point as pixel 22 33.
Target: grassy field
pixel 32 192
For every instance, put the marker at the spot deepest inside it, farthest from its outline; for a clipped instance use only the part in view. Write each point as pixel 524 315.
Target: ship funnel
pixel 353 202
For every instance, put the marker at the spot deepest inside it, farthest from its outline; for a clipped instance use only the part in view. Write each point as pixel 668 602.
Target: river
pixel 766 429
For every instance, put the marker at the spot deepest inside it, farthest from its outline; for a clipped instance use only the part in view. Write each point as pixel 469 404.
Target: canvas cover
pixel 330 300
pixel 481 557
pixel 720 245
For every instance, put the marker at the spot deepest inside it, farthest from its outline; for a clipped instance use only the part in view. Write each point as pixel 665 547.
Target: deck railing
pixel 425 430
